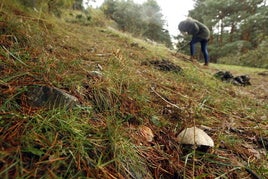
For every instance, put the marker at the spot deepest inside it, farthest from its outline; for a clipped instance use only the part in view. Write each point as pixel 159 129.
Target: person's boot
pixel 193 59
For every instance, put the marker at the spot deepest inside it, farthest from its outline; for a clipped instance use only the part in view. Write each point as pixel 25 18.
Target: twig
pixel 179 49
pixel 16 58
pixel 174 105
pixel 103 55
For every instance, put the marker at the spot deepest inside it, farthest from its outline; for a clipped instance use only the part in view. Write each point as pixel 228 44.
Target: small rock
pixel 95 74
pixel 49 97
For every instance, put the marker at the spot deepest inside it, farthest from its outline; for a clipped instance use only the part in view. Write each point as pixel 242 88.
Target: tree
pixel 109 7
pixel 78 5
pixel 141 20
pixel 235 23
pixel 153 19
pixel 127 16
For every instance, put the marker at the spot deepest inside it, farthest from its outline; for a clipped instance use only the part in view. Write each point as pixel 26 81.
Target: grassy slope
pixel 102 139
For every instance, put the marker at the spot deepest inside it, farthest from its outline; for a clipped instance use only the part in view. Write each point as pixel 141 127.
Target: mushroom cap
pixel 195 136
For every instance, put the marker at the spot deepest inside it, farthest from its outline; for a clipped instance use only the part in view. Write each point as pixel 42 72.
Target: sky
pixel 173 11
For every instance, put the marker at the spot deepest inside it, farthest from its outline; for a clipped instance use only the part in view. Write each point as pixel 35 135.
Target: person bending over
pixel 200 33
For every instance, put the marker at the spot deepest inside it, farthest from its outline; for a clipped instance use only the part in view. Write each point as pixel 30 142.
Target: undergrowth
pixel 254 58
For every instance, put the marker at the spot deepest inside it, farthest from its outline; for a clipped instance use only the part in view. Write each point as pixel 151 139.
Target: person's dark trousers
pixel 204 44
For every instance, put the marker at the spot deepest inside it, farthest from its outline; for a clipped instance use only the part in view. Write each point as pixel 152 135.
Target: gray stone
pixel 50 97
pixel 95 75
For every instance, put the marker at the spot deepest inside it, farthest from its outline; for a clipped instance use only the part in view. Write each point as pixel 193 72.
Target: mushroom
pixel 195 137
pixel 147 133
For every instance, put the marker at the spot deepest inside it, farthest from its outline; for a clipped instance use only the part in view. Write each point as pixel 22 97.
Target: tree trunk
pixel 221 33
pixel 246 35
pixel 232 32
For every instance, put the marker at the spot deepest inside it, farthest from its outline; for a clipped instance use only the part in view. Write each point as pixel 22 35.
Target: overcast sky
pixel 173 11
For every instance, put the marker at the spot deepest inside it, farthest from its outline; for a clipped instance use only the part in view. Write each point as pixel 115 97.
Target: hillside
pixel 121 92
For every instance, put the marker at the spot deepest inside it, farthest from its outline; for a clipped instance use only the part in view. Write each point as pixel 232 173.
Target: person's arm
pixel 194 30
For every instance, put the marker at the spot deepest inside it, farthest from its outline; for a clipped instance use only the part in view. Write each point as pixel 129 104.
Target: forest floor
pixel 106 137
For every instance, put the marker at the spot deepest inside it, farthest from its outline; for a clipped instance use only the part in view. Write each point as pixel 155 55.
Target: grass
pixel 101 137
pixel 239 69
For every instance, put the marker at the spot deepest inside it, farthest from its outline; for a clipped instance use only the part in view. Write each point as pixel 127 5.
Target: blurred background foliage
pixel 239 30
pixel 239 27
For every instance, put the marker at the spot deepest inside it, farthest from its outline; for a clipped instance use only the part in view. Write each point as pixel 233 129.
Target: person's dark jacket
pixel 195 28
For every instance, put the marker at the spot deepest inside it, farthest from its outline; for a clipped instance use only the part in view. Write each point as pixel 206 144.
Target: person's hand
pixel 184 33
